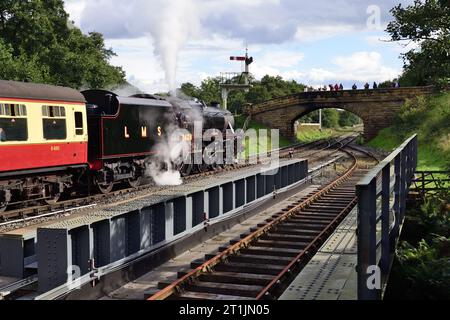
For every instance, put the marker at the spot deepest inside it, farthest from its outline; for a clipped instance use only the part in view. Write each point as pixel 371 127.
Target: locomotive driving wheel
pixel 186 169
pixel 134 182
pixel 104 187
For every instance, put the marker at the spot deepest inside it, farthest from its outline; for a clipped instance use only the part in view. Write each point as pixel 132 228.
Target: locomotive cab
pixel 123 133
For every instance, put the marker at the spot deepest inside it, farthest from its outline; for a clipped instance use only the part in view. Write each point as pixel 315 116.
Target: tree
pixel 330 118
pixel 427 24
pixel 258 94
pixel 348 119
pixel 40 45
pixel 190 90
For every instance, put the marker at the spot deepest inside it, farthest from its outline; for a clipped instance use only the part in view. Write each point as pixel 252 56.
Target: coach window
pixel 79 130
pixel 54 122
pixel 13 122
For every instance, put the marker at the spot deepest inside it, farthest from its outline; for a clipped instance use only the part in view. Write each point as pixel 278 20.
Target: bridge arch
pixel 310 110
pixel 376 108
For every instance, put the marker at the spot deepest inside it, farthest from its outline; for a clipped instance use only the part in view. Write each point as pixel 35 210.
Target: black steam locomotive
pixel 54 139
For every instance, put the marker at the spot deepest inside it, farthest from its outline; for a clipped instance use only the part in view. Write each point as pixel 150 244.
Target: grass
pixel 430 119
pixel 311 135
pixel 304 135
pixel 307 135
pixel 261 146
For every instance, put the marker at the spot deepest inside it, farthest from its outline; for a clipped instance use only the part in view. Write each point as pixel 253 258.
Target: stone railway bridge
pixel 377 108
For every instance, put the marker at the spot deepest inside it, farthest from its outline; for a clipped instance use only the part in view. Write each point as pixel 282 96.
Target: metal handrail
pixel 397 169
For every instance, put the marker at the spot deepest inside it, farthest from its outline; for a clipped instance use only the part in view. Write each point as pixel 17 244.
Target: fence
pixel 427 182
pixel 382 198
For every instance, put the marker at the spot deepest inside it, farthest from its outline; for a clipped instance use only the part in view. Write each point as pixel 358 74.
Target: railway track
pixel 27 214
pixel 263 262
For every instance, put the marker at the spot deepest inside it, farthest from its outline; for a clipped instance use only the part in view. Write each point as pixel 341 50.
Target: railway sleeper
pixel 299 231
pixel 287 237
pixel 237 278
pixel 249 268
pixel 334 201
pixel 250 291
pixel 301 225
pixel 262 259
pixel 273 251
pixel 328 207
pixel 309 214
pixel 282 244
pixel 315 216
pixel 322 222
pixel 201 296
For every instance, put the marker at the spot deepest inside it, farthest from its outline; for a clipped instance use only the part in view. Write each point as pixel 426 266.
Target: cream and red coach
pixel 43 141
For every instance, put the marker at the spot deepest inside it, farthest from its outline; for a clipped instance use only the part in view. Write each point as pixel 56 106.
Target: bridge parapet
pixel 382 198
pixel 377 108
pixel 339 97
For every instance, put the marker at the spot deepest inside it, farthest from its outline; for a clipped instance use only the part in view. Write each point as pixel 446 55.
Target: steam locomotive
pixel 56 140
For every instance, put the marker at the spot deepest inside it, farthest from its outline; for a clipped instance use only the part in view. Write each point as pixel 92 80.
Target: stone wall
pixel 377 108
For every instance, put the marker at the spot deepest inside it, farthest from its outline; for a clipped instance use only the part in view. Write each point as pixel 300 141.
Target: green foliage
pixel 268 88
pixel 430 219
pixel 252 149
pixel 423 271
pixel 39 44
pixel 331 118
pixel 430 120
pixel 422 268
pixel 348 119
pixel 427 24
pixel 306 136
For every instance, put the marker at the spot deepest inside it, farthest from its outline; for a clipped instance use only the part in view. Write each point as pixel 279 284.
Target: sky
pixel 163 43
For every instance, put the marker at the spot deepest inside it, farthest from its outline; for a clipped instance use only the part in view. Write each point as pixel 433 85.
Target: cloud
pixel 359 66
pixel 285 37
pixel 314 33
pixel 257 21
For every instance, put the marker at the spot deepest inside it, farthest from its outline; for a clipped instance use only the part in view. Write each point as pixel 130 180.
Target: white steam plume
pixel 176 22
pixel 168 152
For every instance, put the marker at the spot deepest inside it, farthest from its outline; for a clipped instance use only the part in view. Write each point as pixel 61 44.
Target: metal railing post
pixel 366 238
pixel 404 160
pixel 403 185
pixel 385 223
pixel 397 188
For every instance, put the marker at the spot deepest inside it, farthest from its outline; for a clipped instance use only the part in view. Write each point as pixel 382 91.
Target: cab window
pixel 13 122
pixel 54 122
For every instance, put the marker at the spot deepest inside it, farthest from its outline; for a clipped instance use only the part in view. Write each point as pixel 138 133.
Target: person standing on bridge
pixel 355 87
pixel 336 87
pixel 341 87
pixel 367 86
pixel 375 86
pixel 331 87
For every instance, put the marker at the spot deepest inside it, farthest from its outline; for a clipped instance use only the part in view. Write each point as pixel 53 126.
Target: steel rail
pixel 209 265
